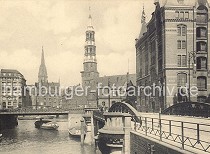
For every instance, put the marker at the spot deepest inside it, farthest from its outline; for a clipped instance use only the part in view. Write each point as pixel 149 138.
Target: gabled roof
pixel 118 80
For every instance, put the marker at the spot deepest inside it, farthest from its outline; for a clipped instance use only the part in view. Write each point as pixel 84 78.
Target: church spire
pixel 143 24
pixel 42 76
pixel 89 72
pixel 42 59
pixel 90 26
pixel 143 16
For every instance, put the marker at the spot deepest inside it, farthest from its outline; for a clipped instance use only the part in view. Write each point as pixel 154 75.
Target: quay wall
pixel 140 144
pixel 8 121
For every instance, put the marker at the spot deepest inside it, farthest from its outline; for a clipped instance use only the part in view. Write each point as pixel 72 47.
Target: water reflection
pixel 26 139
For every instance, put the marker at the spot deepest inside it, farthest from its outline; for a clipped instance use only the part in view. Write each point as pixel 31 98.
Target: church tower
pixel 42 76
pixel 143 23
pixel 89 73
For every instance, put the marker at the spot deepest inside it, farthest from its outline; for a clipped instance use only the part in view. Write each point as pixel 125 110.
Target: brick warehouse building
pixel 171 49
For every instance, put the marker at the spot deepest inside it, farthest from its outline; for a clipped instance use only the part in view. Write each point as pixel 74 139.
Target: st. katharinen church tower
pixel 42 76
pixel 90 72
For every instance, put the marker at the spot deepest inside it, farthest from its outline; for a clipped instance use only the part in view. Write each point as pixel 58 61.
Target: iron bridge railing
pixel 186 135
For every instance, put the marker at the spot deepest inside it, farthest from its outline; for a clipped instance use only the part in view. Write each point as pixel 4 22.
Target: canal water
pixel 26 139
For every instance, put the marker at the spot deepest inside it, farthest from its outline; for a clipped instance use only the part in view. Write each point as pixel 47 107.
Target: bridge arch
pixel 189 109
pixel 125 108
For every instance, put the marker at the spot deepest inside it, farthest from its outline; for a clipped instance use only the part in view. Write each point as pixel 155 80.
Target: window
pixel 179 31
pixel 181 79
pixel 201 63
pixel 182 61
pixel 201 18
pixel 179 61
pixel 182 30
pixel 183 44
pixel 179 44
pixel 177 14
pixel 201 83
pixel 201 46
pixel 201 32
pixel 181 15
pixel 187 15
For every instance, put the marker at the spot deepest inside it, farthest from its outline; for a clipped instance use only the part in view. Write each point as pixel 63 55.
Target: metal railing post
pixel 198 133
pixel 160 125
pixel 169 127
pixel 152 124
pixel 182 133
pixel 145 126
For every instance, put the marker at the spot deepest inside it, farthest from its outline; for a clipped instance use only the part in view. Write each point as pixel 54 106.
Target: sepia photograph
pixel 105 77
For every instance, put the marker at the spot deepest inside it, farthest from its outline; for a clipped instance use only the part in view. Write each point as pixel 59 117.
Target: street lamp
pixel 191 55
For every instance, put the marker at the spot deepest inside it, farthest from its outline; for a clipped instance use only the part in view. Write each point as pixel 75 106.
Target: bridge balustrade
pixel 187 135
pixel 115 123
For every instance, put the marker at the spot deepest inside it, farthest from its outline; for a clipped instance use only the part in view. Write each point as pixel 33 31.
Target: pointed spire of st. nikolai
pixel 90 26
pixel 42 59
pixel 143 24
pixel 42 76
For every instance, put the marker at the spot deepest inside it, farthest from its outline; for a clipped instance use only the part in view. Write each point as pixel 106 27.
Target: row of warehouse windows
pixel 201 62
pixel 182 80
pixel 182 14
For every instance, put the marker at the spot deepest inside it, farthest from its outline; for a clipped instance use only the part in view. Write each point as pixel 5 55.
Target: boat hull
pixel 74 132
pixel 39 123
pixel 46 124
pixel 49 126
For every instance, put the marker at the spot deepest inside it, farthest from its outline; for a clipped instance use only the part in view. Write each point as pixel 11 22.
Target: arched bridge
pixel 189 109
pixel 121 107
pixel 125 108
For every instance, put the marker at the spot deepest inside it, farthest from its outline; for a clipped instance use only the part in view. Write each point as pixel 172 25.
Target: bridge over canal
pixel 155 133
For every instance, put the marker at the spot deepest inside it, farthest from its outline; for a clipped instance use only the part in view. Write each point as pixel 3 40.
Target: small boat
pixel 50 126
pixel 40 122
pixel 74 132
pixel 46 124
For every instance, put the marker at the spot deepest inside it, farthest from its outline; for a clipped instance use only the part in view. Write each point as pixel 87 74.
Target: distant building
pixel 90 74
pixel 172 51
pixel 47 94
pixel 117 90
pixel 12 93
pixel 71 100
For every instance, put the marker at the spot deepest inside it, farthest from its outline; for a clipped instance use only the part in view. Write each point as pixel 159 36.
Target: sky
pixel 59 26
